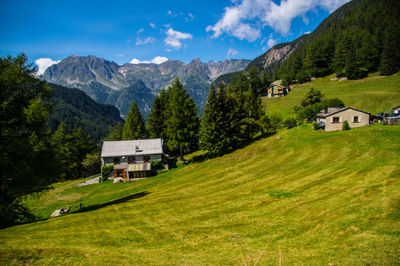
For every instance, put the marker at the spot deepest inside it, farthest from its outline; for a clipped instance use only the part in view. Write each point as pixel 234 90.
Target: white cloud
pixel 156 60
pixel 141 41
pixel 271 41
pixel 231 53
pixel 174 38
pixel 44 63
pixel 189 18
pixel 148 40
pixel 152 25
pixel 246 18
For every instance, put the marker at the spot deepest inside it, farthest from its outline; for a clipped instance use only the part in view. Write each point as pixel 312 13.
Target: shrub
pixel 106 171
pixel 316 126
pixel 156 164
pixel 334 102
pixel 290 123
pixel 345 125
pixel 276 121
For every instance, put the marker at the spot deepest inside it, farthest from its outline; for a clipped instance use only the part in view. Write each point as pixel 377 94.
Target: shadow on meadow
pixel 117 201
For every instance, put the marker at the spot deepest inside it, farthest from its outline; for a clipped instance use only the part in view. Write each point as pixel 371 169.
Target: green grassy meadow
pixel 308 198
pixel 373 94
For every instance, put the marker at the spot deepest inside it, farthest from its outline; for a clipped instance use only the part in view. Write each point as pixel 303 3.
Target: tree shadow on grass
pixel 117 201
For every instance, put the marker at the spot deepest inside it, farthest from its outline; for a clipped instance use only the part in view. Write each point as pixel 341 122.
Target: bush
pixel 276 121
pixel 91 164
pixel 345 125
pixel 290 123
pixel 156 164
pixel 334 102
pixel 105 172
pixel 316 126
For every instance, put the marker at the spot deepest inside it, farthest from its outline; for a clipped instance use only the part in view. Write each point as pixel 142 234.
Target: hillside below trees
pixel 309 197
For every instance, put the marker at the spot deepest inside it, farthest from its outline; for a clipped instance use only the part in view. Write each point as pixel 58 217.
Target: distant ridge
pixel 119 85
pixel 77 110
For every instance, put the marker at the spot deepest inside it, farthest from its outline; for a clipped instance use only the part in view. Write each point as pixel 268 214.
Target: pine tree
pixel 134 127
pixel 211 128
pixel 390 60
pixel 115 132
pixel 182 123
pixel 157 117
pixel 67 154
pixel 27 159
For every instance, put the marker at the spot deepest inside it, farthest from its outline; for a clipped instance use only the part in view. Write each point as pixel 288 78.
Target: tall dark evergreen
pixel 71 148
pixel 115 132
pixel 157 117
pixel 390 59
pixel 134 127
pixel 27 161
pixel 182 123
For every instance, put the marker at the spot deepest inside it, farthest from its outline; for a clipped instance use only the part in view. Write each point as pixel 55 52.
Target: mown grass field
pixel 373 94
pixel 308 198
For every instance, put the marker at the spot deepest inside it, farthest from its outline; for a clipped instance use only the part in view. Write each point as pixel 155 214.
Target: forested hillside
pixel 361 37
pixel 77 110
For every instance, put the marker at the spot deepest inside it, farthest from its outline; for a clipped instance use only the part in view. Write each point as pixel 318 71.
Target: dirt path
pixel 89 182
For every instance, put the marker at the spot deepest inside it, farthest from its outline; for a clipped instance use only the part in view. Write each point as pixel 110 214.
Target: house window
pixel 131 159
pixel 356 119
pixel 116 160
pixel 336 119
pixel 146 158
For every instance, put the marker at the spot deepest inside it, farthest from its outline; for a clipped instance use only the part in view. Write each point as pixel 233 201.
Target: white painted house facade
pixel 131 158
pixel 332 118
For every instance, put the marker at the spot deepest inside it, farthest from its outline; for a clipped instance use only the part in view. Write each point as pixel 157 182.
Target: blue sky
pixel 181 30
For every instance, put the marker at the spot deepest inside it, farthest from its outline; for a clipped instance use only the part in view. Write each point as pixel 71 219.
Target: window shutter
pixel 340 119
pixel 359 119
pixel 332 119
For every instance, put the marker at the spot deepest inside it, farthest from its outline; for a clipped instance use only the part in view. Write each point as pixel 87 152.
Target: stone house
pixel 132 158
pixel 332 119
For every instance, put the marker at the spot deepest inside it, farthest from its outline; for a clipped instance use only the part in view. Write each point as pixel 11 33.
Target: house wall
pixel 139 159
pixel 346 115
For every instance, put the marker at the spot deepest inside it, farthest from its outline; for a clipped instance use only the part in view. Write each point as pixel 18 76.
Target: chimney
pixel 326 110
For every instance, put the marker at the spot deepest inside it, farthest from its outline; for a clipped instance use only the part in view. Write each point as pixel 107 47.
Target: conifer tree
pixel 115 132
pixel 390 60
pixel 134 127
pixel 211 130
pixel 157 117
pixel 182 123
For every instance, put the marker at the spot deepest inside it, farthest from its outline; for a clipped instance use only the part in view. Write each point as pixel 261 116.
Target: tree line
pixel 359 38
pixel 232 116
pixel 33 157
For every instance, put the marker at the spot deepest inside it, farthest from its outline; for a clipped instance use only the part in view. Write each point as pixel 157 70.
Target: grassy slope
pixel 372 94
pixel 310 198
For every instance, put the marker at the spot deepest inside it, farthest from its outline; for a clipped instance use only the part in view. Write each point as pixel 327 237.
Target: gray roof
pixel 332 111
pixel 131 147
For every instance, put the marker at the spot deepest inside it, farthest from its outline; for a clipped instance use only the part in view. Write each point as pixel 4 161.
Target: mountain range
pixel 108 82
